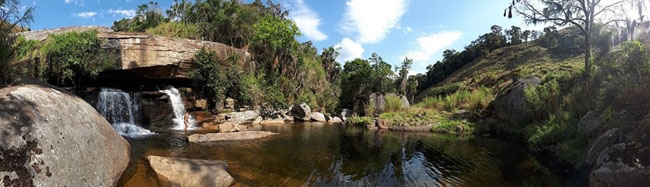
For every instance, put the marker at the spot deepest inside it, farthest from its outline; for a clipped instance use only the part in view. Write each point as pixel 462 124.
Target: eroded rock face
pixel 345 113
pixel 191 172
pixel 589 122
pixel 232 136
pixel 52 138
pixel 510 105
pixel 242 117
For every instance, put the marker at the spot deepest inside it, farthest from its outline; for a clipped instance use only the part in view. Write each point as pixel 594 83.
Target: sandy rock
pixel 191 172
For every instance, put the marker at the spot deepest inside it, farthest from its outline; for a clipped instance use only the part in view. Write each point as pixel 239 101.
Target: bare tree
pixel 582 14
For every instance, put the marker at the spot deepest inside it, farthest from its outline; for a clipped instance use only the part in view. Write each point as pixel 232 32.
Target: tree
pixel 403 73
pixel 526 35
pixel 147 16
pixel 332 68
pixel 582 14
pixel 354 82
pixel 380 75
pixel 514 35
pixel 11 20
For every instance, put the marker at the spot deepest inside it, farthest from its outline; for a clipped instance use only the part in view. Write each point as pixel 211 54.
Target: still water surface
pixel 314 154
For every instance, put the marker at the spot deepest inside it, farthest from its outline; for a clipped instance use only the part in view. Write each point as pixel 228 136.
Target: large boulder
pixel 191 172
pixel 301 112
pixel 49 137
pixel 242 117
pixel 335 120
pixel 229 127
pixel 377 100
pixel 233 136
pixel 510 104
pixel 318 117
pixel 156 112
pixel 405 102
pixel 589 122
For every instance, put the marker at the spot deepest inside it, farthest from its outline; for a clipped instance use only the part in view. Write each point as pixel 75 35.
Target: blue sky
pixel 418 29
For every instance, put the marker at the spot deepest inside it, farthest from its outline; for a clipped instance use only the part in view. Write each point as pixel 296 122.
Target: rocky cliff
pixel 141 55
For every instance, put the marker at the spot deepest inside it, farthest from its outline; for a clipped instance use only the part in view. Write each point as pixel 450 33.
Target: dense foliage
pixel 11 20
pixel 71 58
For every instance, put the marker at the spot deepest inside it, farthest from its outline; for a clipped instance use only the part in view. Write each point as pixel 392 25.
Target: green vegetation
pixel 71 58
pixel 393 103
pixel 147 16
pixel 12 20
pixel 473 101
pixel 176 30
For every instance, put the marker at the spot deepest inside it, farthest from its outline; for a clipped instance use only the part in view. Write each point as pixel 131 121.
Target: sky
pixel 394 29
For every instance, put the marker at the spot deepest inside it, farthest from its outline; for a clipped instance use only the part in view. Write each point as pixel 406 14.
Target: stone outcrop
pixel 301 112
pixel 155 110
pixel 510 104
pixel 229 127
pixel 232 136
pixel 335 120
pixel 52 138
pixel 191 172
pixel 41 35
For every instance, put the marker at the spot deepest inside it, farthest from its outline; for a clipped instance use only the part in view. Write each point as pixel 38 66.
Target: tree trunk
pixel 587 54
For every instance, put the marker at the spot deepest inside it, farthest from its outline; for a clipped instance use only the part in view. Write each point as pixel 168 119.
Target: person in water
pixel 187 119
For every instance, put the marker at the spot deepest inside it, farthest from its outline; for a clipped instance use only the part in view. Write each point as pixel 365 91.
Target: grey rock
pixel 229 127
pixel 589 122
pixel 50 137
pixel 301 112
pixel 511 106
pixel 242 117
pixel 191 172
pixel 345 113
pixel 377 99
pixel 335 120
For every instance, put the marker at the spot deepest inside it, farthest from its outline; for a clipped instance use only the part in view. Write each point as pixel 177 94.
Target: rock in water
pixel 335 120
pixel 301 112
pixel 317 116
pixel 232 136
pixel 52 138
pixel 191 172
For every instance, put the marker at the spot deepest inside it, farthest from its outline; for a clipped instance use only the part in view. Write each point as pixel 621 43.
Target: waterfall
pixel 179 109
pixel 121 111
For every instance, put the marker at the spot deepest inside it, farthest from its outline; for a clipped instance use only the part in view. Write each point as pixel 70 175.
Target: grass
pixel 359 121
pixel 393 103
pixel 474 101
pixel 417 116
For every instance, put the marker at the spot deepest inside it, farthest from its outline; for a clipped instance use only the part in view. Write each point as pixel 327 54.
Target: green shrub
pixel 543 99
pixel 560 135
pixel 473 101
pixel 393 103
pixel 71 57
pixel 176 30
pixel 359 121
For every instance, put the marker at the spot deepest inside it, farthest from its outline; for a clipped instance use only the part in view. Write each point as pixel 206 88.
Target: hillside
pixel 498 69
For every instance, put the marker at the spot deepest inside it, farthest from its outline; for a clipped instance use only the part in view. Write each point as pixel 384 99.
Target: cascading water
pixel 179 109
pixel 121 111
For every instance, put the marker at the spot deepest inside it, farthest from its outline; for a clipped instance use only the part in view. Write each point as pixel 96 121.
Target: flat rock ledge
pixel 191 172
pixel 231 136
pixel 424 128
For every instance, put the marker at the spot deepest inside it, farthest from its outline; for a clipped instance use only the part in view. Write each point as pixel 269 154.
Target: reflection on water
pixel 330 155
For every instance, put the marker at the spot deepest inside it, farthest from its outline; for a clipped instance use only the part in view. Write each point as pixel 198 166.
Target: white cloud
pixel 349 50
pixel 86 14
pixel 307 20
pixel 407 29
pixel 429 45
pixel 372 20
pixel 68 1
pixel 126 13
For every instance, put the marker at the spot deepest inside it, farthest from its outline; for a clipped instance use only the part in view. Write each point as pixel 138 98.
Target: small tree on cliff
pixel 582 14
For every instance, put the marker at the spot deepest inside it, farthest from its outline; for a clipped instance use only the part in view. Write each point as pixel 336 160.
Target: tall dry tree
pixel 583 14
